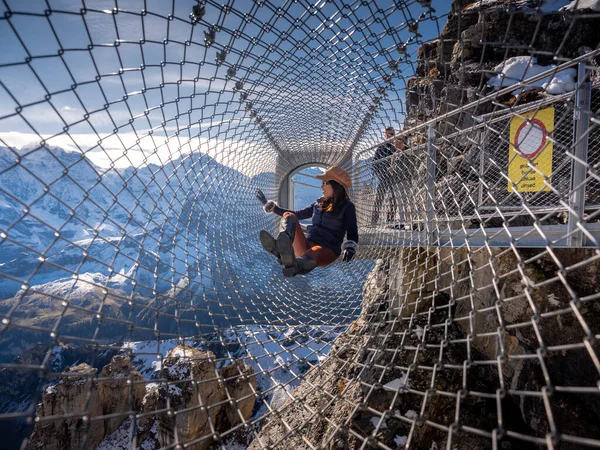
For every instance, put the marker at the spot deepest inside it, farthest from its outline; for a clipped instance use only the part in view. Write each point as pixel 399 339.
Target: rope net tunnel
pixel 138 307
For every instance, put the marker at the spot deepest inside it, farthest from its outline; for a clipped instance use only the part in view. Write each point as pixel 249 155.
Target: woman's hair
pixel 335 203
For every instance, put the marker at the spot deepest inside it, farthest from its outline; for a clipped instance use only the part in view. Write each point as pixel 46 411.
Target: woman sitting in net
pixel 333 217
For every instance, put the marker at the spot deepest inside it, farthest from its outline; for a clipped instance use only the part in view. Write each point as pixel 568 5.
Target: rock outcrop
pixel 453 71
pixel 192 391
pixel 195 393
pixel 191 399
pixel 74 400
pixel 121 388
pixel 501 284
pixel 358 382
pixel 241 386
pixel 20 389
pixel 78 398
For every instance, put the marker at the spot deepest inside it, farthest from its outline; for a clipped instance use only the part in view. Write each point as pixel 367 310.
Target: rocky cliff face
pixel 177 409
pixel 120 388
pixel 199 399
pixel 454 69
pixel 20 390
pixel 192 392
pixel 79 398
pixel 405 365
pixel 515 309
pixel 374 374
pixel 75 400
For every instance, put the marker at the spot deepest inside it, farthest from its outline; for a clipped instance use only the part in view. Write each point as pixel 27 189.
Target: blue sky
pixel 217 115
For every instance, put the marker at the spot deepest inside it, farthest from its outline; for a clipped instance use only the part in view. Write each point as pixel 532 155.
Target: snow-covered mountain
pixel 59 209
pixel 125 242
pixel 88 252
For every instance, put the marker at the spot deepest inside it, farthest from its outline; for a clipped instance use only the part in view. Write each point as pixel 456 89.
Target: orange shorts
pixel 302 246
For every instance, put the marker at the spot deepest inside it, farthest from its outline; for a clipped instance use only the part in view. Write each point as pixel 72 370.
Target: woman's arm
pixel 301 214
pixel 350 245
pixel 351 223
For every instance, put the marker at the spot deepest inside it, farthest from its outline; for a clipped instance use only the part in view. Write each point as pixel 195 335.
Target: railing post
pixel 580 152
pixel 430 185
pixel 292 194
pixel 482 156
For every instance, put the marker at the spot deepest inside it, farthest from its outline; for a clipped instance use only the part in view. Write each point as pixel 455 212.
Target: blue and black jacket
pixel 328 228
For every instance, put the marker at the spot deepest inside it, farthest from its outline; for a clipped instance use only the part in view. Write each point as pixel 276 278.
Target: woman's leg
pixel 322 255
pixel 300 244
pixel 315 256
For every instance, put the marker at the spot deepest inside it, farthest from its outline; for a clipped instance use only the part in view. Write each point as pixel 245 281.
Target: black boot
pixel 301 266
pixel 269 244
pixel 284 241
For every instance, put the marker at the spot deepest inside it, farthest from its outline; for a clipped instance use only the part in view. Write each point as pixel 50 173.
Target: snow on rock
pixel 280 362
pixel 481 4
pixel 281 394
pixel 147 355
pixel 400 440
pixel 519 68
pixel 274 355
pixel 152 389
pixel 84 284
pixel 277 355
pixel 419 331
pixel 526 6
pixel 546 6
pixel 398 383
pixel 411 414
pixel 279 359
pixel 574 5
pixel 549 6
pixel 375 421
pixel 561 83
pixel 122 439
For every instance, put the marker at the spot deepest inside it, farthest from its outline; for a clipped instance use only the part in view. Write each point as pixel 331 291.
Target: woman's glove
pixel 268 205
pixel 261 197
pixel 349 249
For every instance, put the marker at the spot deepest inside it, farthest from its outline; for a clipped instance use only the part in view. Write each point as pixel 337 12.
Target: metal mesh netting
pixel 138 307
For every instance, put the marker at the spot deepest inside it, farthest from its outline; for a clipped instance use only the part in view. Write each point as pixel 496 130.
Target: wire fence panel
pixel 139 309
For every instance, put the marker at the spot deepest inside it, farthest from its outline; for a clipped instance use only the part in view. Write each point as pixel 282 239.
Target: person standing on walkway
pixel 384 172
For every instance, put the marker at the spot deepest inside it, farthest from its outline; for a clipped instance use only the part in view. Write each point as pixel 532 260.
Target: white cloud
pixel 123 150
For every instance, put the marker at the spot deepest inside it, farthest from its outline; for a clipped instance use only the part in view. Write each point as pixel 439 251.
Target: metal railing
pixel 464 177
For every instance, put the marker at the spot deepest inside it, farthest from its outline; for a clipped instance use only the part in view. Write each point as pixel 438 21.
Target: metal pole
pixel 292 193
pixel 430 184
pixel 482 146
pixel 580 152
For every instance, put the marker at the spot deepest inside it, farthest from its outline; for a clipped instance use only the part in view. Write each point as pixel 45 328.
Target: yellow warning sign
pixel 530 152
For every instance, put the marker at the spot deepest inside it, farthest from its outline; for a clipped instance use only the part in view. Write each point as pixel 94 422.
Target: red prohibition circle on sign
pixel 531 135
